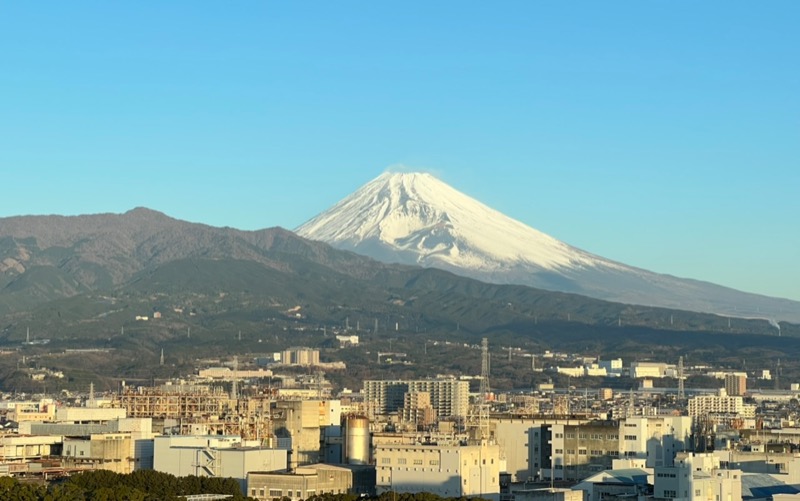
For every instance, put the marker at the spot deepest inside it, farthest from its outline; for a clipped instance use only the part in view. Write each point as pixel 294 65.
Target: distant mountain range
pixel 68 265
pixel 87 282
pixel 416 219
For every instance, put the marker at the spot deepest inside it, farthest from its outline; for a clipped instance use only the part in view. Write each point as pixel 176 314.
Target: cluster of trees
pixel 149 485
pixel 103 485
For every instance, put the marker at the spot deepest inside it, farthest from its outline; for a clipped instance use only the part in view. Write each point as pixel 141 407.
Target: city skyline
pixel 664 137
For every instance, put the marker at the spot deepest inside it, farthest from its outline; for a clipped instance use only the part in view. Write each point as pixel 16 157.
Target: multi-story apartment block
pixel 736 384
pixel 703 405
pixel 300 356
pixel 448 397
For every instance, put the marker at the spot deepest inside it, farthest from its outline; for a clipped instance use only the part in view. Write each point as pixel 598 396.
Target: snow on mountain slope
pixel 418 215
pixel 414 218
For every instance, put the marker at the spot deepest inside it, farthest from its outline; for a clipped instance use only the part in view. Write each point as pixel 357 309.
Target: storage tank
pixel 357 440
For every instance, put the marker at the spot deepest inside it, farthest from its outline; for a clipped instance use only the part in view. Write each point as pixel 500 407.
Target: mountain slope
pixel 43 258
pixel 414 218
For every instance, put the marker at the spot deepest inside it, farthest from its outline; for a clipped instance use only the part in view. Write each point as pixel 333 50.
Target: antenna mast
pixel 484 390
pixel 234 384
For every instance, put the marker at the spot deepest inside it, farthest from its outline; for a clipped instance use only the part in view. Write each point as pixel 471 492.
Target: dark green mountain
pixel 80 282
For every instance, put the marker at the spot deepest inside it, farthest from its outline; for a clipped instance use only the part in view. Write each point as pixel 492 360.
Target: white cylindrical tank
pixel 357 440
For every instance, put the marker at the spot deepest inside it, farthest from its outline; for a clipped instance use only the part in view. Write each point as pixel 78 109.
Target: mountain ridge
pixel 414 218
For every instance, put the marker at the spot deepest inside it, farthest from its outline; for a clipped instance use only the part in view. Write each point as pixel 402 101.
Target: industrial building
pixel 313 480
pixel 697 477
pixel 87 447
pixel 214 456
pixel 106 451
pixel 200 409
pixel 513 435
pixel 298 426
pixel 445 469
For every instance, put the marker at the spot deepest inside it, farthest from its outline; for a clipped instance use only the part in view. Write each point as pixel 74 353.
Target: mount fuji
pixel 416 219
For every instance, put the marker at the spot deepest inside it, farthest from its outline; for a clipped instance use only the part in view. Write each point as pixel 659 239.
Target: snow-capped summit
pixel 414 218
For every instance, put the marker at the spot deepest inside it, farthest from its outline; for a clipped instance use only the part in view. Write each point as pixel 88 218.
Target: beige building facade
pixel 446 470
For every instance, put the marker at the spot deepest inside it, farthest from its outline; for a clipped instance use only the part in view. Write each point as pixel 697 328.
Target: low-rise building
pixel 214 456
pixel 448 470
pixel 309 481
pixel 696 477
pixel 107 451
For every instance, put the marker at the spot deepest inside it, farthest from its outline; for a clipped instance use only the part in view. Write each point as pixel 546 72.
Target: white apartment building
pixel 702 405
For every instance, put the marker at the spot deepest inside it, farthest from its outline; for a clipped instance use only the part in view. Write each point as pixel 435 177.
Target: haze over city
pixel 664 136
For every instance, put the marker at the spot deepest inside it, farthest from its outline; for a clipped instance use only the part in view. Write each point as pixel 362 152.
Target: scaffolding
pixel 201 409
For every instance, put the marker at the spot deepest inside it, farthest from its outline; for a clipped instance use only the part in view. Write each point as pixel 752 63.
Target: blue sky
pixel 665 135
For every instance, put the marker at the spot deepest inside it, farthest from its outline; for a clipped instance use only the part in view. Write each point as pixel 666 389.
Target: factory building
pixel 214 456
pixel 309 481
pixel 448 470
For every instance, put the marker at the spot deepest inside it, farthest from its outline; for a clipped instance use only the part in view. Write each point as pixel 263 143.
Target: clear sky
pixel 663 134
